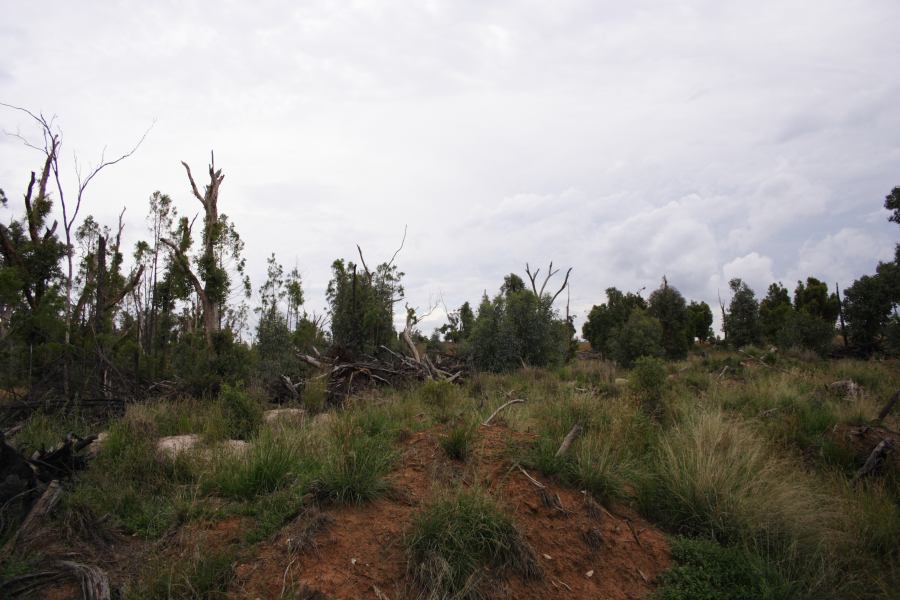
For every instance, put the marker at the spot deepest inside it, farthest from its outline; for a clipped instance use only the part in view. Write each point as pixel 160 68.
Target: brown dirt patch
pixel 360 548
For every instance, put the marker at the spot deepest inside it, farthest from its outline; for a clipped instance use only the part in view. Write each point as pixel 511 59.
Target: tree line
pixel 76 324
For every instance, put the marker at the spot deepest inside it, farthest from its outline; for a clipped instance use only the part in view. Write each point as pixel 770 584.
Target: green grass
pixel 274 459
pixel 144 492
pixel 456 537
pixel 205 576
pixel 355 460
pixel 714 477
pixel 746 464
pixel 42 431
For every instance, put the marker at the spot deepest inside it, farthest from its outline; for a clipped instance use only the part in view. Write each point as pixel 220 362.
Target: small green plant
pixel 705 570
pixel 458 441
pixel 454 538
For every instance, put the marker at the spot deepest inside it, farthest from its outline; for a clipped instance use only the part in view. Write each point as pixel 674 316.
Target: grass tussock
pixel 716 478
pixel 274 459
pixel 358 455
pixel 616 433
pixel 457 442
pixel 455 540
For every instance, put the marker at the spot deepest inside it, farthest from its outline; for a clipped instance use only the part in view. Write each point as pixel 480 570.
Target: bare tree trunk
pixel 100 312
pixel 837 291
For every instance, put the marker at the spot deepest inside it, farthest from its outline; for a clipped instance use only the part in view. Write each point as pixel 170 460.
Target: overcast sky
pixel 629 140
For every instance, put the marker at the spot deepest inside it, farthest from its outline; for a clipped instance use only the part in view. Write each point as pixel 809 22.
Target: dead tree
pixel 52 141
pixel 211 233
pixel 550 273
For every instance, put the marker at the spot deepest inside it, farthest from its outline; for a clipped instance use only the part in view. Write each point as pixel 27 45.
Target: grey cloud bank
pixel 630 141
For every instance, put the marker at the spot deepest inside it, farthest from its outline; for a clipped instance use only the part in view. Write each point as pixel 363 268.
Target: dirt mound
pixel 583 550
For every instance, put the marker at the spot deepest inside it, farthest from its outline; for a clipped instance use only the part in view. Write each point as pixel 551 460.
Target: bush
pixel 640 336
pixel 454 538
pixel 648 378
pixel 242 414
pixel 518 327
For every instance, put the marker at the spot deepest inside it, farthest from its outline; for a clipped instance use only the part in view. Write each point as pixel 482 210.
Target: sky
pixel 628 140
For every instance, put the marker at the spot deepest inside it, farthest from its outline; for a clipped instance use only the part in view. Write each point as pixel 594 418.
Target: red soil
pixel 360 554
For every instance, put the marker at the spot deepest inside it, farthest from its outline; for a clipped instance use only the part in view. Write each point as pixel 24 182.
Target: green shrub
pixel 456 537
pixel 242 414
pixel 641 335
pixel 648 378
pixel 704 570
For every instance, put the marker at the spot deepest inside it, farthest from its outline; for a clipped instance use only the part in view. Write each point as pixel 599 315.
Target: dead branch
pixel 876 459
pixel 38 512
pixel 94 581
pixel 534 481
pixel 889 405
pixel 494 414
pixel 569 439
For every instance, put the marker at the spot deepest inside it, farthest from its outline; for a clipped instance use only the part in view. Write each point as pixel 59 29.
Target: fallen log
pixel 569 439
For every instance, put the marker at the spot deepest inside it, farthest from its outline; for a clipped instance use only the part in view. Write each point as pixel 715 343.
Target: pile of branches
pixel 348 375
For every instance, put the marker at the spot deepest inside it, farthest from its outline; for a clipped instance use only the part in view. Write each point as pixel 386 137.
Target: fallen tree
pixel 345 375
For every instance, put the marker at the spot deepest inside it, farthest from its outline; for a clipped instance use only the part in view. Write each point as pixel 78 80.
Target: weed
pixel 456 537
pixel 707 571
